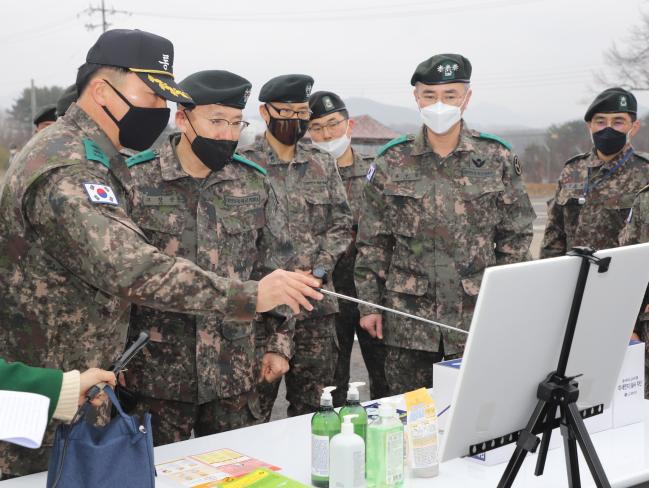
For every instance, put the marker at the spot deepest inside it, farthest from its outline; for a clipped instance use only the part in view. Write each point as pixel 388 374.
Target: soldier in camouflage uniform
pixel 308 226
pixel 330 130
pixel 636 231
pixel 198 200
pixel 596 189
pixel 71 258
pixel 439 207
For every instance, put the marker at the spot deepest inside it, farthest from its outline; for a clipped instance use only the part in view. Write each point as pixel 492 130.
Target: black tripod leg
pixel 516 461
pixel 570 449
pixel 576 424
pixel 551 413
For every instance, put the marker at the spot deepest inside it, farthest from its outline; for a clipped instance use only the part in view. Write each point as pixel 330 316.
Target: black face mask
pixel 609 141
pixel 213 153
pixel 287 131
pixel 140 127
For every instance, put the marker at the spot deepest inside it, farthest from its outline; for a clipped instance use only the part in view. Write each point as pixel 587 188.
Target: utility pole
pixel 33 99
pixel 91 10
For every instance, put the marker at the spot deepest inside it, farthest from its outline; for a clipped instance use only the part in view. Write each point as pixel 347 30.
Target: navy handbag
pixel 117 455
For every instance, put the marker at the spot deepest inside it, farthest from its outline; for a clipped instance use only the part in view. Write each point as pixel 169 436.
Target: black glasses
pixel 331 126
pixel 287 113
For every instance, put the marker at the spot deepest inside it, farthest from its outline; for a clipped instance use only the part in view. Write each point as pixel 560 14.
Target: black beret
pixel 612 100
pixel 65 100
pixel 287 89
pixel 217 86
pixel 443 68
pixel 149 56
pixel 323 103
pixel 45 113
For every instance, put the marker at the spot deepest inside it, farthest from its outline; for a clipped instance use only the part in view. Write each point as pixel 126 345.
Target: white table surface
pixel 624 454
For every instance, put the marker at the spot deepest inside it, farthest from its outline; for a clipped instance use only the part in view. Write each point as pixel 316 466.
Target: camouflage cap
pixel 441 69
pixel 612 100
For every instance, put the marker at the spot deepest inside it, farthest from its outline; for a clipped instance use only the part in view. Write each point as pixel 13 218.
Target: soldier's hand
pixel 373 324
pixel 273 367
pixel 286 288
pixel 304 272
pixel 92 377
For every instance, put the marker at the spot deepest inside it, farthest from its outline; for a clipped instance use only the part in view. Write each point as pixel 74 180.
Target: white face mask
pixel 335 147
pixel 440 117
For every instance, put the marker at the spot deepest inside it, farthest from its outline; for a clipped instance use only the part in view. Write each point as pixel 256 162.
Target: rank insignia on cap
pixel 370 173
pixel 246 95
pixel 328 104
pixel 164 62
pixel 101 193
pixel 623 103
pixel 308 90
pixel 448 70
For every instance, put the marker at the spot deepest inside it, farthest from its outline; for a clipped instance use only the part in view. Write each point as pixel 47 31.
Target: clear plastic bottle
pixel 325 424
pixel 384 466
pixel 353 406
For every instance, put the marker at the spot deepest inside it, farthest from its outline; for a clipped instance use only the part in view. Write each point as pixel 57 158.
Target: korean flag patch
pixel 370 173
pixel 101 193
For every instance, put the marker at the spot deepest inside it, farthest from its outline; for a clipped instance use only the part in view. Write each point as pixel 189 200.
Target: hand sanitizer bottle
pixel 385 449
pixel 347 455
pixel 353 406
pixel 325 424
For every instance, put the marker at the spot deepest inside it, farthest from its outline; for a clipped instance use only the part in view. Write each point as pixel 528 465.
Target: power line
pixel 375 12
pixel 103 11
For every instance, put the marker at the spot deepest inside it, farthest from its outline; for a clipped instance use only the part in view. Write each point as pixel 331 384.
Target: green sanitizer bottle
pixel 325 424
pixel 384 468
pixel 353 407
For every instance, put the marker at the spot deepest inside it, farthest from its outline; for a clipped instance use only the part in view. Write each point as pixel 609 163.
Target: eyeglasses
pixel 222 124
pixel 287 113
pixel 331 126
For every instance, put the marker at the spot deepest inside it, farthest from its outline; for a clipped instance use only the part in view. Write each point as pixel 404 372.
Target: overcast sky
pixel 533 60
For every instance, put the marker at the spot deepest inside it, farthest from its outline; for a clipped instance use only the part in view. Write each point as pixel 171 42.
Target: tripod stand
pixel 560 392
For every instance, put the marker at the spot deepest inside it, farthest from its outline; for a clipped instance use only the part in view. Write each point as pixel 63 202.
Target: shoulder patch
pixel 486 135
pixel 100 193
pixel 577 157
pixel 241 159
pixel 392 143
pixel 141 157
pixel 95 153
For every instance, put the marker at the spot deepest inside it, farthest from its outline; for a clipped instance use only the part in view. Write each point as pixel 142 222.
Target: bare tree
pixel 628 66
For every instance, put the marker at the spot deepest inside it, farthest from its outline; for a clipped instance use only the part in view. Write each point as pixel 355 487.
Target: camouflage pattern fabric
pixel 429 226
pixel 607 198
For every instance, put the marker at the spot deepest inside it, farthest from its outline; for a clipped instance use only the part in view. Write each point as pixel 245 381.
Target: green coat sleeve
pixel 20 377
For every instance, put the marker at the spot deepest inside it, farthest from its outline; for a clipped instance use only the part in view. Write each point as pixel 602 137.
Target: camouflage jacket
pixel 354 178
pixel 429 227
pixel 607 198
pixel 214 222
pixel 308 220
pixel 72 260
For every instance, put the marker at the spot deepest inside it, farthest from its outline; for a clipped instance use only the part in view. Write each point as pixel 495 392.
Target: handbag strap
pixel 113 398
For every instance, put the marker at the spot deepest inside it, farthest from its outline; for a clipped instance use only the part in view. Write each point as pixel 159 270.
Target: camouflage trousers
pixel 20 461
pixel 373 351
pixel 409 369
pixel 174 421
pixel 311 368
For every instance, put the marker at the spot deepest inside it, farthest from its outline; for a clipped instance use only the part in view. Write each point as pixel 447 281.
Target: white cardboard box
pixel 625 408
